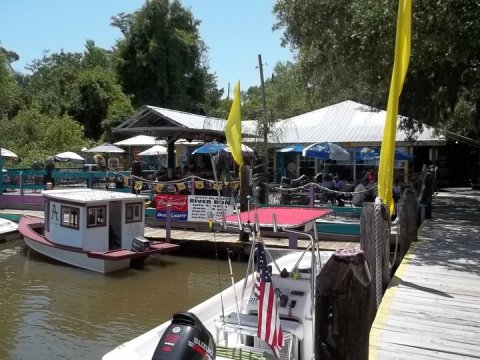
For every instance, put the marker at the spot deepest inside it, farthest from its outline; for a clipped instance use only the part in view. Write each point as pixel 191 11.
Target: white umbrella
pixel 69 156
pixel 154 150
pixel 8 154
pixel 245 149
pixel 105 148
pixel 139 140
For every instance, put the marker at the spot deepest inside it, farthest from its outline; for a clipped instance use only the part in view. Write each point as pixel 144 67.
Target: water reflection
pixel 50 310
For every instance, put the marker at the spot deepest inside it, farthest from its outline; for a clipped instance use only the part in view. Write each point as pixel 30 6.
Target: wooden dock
pixel 431 309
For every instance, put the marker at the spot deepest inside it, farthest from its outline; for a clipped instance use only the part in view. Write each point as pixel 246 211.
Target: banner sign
pixel 199 208
pixel 178 203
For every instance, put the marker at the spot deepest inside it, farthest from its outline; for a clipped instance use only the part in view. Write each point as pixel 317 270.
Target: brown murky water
pixel 52 311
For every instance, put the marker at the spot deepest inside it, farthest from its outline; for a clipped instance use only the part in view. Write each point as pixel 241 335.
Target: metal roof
pixel 347 123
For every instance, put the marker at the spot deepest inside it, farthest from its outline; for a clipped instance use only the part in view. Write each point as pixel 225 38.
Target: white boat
pixel 92 229
pixel 8 230
pixel 231 317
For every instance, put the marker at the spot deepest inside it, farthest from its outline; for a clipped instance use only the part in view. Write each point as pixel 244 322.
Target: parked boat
pixel 92 229
pixel 8 230
pixel 227 325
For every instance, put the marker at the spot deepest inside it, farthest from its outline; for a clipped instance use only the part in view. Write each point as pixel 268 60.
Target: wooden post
pixel 368 230
pixel 342 300
pixel 244 192
pixel 168 222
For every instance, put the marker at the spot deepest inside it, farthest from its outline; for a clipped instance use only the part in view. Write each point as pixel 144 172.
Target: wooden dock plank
pixel 431 308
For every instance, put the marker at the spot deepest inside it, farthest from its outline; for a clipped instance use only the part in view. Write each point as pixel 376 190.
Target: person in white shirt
pixel 360 193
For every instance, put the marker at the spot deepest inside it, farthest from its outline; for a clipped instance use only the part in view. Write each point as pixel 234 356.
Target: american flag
pixel 269 328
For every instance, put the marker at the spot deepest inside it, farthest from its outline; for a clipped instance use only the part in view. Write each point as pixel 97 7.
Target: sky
pixel 235 31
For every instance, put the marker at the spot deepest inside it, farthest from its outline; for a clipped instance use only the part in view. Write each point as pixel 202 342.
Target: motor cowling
pixel 185 338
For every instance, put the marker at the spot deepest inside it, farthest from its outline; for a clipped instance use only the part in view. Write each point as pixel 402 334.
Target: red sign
pixel 178 206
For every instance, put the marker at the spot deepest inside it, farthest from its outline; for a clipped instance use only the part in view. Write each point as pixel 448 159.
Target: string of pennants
pixel 182 185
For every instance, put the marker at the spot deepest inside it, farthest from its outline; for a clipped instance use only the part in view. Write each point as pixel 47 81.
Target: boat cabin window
pixel 96 216
pixel 134 213
pixel 70 217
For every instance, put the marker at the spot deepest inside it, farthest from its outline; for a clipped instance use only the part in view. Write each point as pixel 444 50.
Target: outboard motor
pixel 185 338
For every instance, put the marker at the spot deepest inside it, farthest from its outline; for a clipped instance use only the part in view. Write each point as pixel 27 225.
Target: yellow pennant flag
pixel 400 66
pixel 233 128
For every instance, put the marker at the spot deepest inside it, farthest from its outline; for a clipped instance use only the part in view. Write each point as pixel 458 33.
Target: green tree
pixel 34 135
pixel 81 85
pixel 9 90
pixel 345 50
pixel 161 59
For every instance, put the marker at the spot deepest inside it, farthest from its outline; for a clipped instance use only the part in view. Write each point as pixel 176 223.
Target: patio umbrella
pixel 326 151
pixel 211 148
pixel 105 148
pixel 69 156
pixel 8 154
pixel 245 149
pixel 367 153
pixel 295 148
pixel 154 150
pixel 139 140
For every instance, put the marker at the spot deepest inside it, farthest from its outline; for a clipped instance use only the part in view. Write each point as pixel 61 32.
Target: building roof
pixel 347 123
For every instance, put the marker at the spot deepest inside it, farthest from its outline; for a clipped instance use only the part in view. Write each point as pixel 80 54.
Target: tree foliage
pixel 81 85
pixel 9 90
pixel 161 60
pixel 35 136
pixel 345 50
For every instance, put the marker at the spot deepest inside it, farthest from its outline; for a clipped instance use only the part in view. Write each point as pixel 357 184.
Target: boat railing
pixel 248 326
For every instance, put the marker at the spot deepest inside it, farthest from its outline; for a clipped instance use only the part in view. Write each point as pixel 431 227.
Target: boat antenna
pixel 233 286
pixel 218 275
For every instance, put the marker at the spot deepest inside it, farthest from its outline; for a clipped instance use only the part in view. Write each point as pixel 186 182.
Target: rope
pixel 378 236
pixel 306 187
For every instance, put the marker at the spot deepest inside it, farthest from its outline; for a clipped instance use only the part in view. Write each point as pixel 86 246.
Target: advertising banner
pixel 199 208
pixel 179 206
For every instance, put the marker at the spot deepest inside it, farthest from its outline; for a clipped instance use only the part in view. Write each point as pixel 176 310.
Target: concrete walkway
pixel 431 309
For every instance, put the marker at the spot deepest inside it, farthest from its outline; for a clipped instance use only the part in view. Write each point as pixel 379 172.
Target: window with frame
pixel 70 217
pixel 96 216
pixel 133 212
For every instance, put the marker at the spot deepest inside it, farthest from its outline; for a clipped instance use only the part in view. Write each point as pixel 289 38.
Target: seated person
pixel 340 185
pixel 360 192
pixel 329 184
pixel 162 174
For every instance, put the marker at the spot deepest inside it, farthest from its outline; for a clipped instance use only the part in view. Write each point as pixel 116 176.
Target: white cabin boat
pixel 92 229
pixel 8 230
pixel 230 318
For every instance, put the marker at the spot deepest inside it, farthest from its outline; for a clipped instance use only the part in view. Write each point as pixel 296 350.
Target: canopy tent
pixel 69 156
pixel 7 154
pixel 154 150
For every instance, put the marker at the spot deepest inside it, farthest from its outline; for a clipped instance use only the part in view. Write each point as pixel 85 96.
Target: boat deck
pixel 431 309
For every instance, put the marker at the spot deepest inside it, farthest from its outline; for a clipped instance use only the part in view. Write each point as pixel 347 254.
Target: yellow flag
pixel 233 128
pixel 400 66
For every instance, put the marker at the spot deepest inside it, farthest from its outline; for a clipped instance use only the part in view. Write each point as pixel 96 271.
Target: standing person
pixel 292 169
pixel 372 176
pixel 137 171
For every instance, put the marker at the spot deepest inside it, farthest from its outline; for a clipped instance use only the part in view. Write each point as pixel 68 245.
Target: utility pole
pixel 265 127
